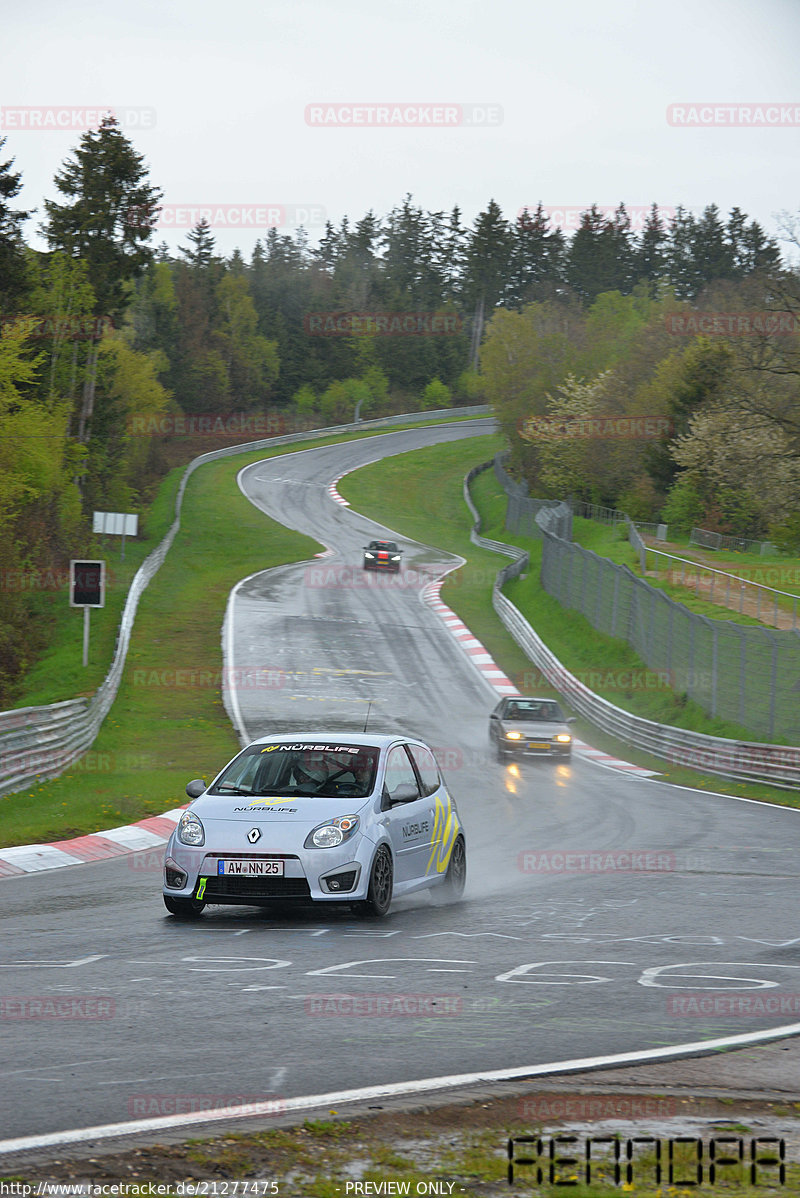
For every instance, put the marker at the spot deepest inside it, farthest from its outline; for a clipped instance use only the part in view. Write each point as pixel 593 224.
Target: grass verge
pixel 419 494
pixel 451 1149
pixel 58 673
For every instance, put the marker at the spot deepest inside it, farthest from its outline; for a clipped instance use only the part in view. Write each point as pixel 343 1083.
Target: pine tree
pixel 600 254
pixel 12 254
pixel 649 255
pixel 682 269
pixel 713 256
pixel 108 215
pixel 537 259
pixel 201 252
pixel 107 218
pixel 486 270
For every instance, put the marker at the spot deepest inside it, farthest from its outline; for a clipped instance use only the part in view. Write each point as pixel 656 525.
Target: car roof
pixel 530 699
pixel 379 740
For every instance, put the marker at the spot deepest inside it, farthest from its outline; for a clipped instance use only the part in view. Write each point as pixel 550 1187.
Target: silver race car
pixel 328 818
pixel 526 727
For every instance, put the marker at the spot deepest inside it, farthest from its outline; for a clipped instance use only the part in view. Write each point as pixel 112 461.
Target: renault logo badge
pixel 253 835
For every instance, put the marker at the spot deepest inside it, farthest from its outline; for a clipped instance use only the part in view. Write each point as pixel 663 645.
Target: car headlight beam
pixel 513 736
pixel 563 738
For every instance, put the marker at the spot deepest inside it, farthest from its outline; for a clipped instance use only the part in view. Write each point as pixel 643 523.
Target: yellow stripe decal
pixel 445 830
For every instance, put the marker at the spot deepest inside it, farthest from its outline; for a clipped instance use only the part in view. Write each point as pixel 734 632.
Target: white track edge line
pixel 393 1090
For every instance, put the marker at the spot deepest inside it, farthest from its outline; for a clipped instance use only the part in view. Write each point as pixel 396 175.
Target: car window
pixel 399 771
pixel 426 768
pixel 308 768
pixel 531 709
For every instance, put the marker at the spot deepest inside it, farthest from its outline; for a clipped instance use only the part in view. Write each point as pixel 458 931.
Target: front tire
pixel 184 908
pixel 381 885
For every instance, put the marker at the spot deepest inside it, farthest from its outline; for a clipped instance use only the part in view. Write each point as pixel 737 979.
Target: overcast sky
pixel 573 104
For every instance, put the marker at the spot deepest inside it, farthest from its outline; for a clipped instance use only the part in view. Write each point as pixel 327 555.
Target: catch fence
pixel 743 674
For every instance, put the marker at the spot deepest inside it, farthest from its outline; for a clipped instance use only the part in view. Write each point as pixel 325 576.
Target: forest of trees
pixel 106 333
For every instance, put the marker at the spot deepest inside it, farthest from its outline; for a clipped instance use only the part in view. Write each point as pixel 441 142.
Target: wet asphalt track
pixel 535 965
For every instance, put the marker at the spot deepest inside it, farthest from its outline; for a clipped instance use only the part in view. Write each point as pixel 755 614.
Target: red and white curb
pixel 477 653
pixel 613 763
pixel 334 494
pixel 332 488
pixel 502 685
pixel 148 833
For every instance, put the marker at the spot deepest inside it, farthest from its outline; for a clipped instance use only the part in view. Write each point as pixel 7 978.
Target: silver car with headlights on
pixel 331 817
pixel 528 727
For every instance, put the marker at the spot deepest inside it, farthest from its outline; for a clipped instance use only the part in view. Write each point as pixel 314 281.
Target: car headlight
pixel 395 557
pixel 513 736
pixel 563 738
pixel 332 833
pixel 369 555
pixel 190 830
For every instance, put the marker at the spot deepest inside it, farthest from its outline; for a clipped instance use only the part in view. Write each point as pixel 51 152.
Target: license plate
pixel 251 868
pixel 538 744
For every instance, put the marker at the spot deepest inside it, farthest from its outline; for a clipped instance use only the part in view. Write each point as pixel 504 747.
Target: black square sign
pixel 87 584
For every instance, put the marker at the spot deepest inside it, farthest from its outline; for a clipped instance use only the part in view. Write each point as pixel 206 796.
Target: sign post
pixel 87 589
pixel 117 524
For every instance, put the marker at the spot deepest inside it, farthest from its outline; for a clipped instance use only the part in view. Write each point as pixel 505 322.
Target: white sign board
pixel 119 524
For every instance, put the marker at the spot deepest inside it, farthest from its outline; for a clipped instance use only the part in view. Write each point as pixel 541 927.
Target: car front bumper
pixel 534 748
pixel 308 874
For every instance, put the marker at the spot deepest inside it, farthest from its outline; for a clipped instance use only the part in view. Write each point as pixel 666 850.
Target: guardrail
pixel 719 540
pixel 41 742
pixel 748 761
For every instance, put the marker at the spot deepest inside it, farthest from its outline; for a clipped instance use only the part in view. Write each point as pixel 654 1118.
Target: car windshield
pixel 533 709
pixel 323 769
pixel 384 546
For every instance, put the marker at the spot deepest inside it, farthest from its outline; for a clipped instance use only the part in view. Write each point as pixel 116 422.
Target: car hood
pixel 543 729
pixel 296 809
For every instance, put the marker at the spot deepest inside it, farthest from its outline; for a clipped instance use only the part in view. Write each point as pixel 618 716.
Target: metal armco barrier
pixel 41 742
pixel 748 761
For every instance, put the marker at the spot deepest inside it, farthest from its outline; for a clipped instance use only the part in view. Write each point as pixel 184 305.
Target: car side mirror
pixel 572 719
pixel 196 788
pixel 405 793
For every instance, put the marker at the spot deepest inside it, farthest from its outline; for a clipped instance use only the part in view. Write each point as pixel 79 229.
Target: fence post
pixel 773 678
pixel 598 608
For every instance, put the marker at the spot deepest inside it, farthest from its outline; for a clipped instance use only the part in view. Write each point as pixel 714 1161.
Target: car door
pixel 409 823
pixel 444 822
pixel 495 721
